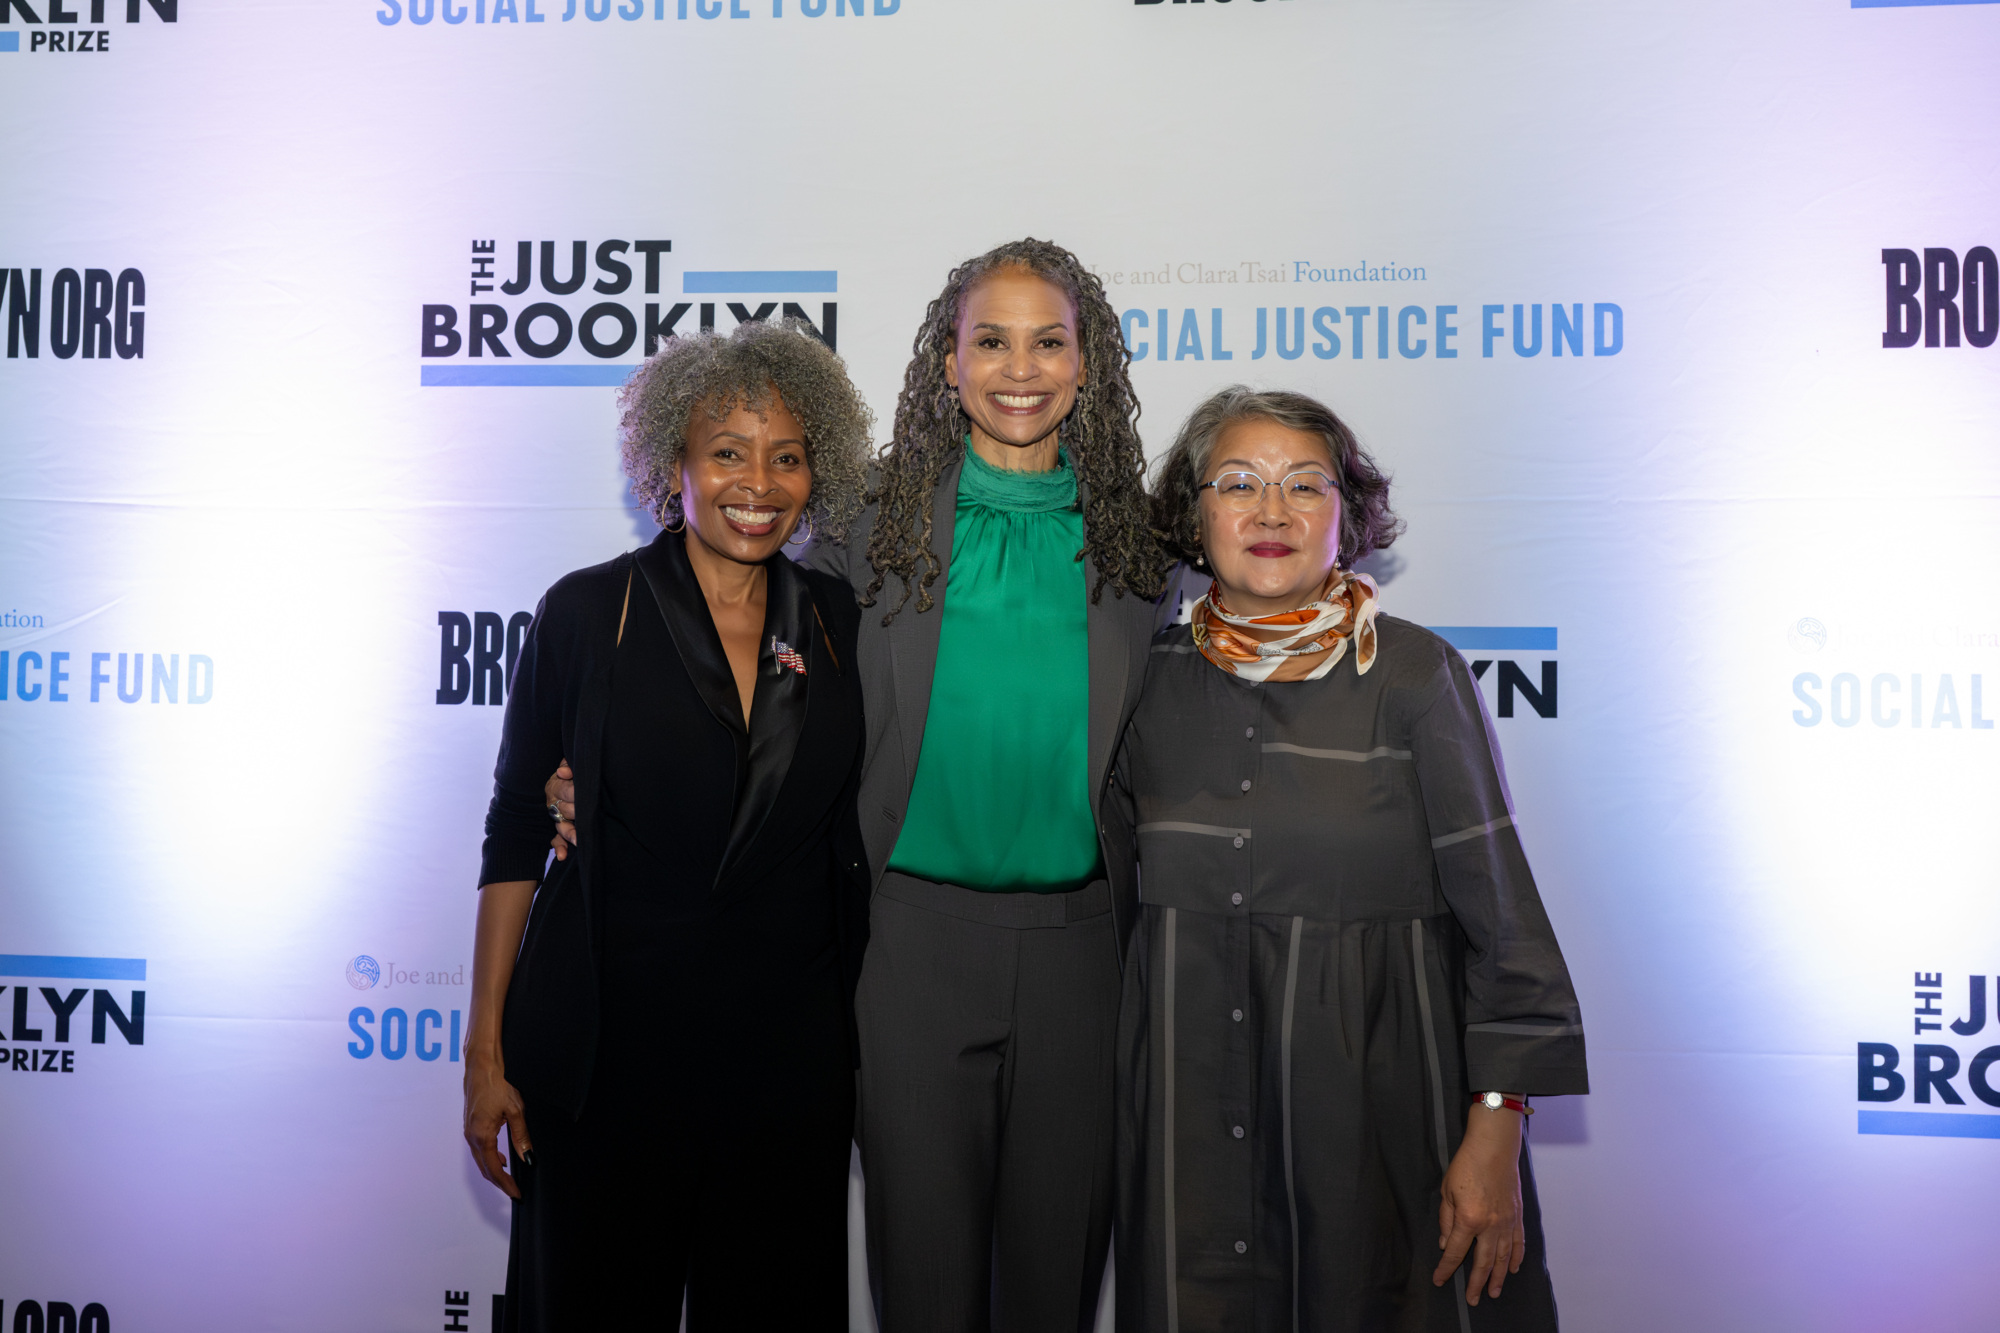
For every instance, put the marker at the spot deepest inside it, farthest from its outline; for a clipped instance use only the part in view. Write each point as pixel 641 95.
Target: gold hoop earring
pixel 684 517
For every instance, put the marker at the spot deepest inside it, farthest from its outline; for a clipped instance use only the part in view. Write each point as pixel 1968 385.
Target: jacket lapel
pixel 664 563
pixel 821 724
pixel 914 637
pixel 778 711
pixel 1111 674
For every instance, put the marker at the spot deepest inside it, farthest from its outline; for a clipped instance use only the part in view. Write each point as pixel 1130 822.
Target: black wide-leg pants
pixel 723 1179
pixel 987 1028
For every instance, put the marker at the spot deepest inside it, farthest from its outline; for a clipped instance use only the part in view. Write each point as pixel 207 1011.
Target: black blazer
pixel 798 768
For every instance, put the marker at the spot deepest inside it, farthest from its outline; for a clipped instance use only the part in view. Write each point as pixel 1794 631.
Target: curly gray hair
pixel 752 367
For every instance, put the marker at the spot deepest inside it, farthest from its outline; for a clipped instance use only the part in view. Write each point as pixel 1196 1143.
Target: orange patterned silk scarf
pixel 1343 612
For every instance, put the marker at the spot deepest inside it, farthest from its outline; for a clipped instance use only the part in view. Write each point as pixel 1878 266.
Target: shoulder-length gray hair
pixel 1366 521
pixel 752 367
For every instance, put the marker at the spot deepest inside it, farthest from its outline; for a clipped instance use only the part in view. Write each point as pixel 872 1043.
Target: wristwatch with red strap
pixel 1496 1101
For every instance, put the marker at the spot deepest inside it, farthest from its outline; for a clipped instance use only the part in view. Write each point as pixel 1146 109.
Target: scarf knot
pixel 1344 611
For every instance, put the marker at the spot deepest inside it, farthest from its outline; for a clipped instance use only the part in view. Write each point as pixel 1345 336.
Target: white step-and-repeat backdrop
pixel 1675 323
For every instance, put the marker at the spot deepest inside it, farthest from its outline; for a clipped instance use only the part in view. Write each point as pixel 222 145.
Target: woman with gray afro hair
pixel 751 367
pixel 662 1020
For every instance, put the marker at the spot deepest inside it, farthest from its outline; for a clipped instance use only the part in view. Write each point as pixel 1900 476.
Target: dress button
pixel 1239 840
pixel 1246 784
pixel 1236 1015
pixel 1236 900
pixel 1236 1130
pixel 1242 1248
pixel 1248 732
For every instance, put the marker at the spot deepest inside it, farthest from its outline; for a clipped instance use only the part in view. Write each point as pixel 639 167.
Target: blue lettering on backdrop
pixel 1138 350
pixel 431 1017
pixel 1357 318
pixel 1403 343
pixel 419 13
pixel 1327 347
pixel 365 1046
pixel 1293 348
pixel 1529 348
pixel 1887 698
pixel 395 1034
pixel 1565 327
pixel 398 1039
pixel 1606 313
pixel 1189 342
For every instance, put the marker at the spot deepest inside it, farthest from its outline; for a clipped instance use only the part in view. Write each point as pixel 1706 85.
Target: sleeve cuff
pixel 1517 1057
pixel 503 861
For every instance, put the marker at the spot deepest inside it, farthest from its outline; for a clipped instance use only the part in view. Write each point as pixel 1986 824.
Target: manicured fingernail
pixel 528 1156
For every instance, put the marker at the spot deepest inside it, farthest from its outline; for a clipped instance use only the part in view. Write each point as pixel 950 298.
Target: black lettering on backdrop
pixel 1938 299
pixel 657 328
pixel 524 335
pixel 652 250
pixel 65 313
pixel 524 269
pixel 24 310
pixel 133 1029
pixel 477 655
pixel 1935 1067
pixel 488 323
pixel 454 664
pixel 1875 1063
pixel 576 267
pixel 62 1007
pixel 489 640
pixel 128 322
pixel 1512 678
pixel 1940 290
pixel 586 329
pixel 441 330
pixel 92 313
pixel 621 272
pixel 1979 295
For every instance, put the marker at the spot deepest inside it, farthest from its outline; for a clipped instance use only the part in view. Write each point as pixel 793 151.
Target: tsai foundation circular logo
pixel 363 972
pixel 1806 635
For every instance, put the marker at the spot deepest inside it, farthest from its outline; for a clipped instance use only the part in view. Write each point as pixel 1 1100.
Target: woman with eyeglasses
pixel 1343 986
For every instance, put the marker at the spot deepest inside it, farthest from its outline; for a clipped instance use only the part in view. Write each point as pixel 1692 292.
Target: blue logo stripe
pixel 1939 1126
pixel 10 41
pixel 484 376
pixel 1524 638
pixel 58 965
pixel 786 281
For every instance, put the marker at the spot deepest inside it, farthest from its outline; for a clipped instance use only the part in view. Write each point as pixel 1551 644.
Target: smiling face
pixel 1271 558
pixel 744 481
pixel 1016 363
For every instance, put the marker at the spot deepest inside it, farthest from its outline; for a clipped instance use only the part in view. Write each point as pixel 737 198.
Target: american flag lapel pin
pixel 787 655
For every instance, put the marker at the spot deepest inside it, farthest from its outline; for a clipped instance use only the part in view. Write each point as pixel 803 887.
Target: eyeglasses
pixel 1244 491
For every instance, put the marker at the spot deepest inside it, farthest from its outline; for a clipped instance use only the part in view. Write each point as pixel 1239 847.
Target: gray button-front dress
pixel 1340 945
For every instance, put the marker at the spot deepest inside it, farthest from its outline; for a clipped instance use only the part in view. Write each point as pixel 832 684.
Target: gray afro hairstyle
pixel 755 365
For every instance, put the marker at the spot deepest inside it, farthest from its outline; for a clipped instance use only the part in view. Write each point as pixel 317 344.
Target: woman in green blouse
pixel 1013 577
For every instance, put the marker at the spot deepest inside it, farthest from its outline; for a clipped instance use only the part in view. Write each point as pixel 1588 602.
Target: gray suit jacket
pixel 896 668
